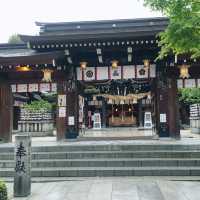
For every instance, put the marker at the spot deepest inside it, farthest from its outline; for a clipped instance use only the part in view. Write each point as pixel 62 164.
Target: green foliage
pixel 3 191
pixel 182 36
pixel 36 106
pixel 14 39
pixel 189 95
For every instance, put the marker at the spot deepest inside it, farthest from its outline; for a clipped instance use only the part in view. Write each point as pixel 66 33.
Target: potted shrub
pixel 3 191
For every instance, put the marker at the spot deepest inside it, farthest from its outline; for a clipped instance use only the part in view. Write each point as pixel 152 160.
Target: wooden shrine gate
pixel 64 48
pixel 66 117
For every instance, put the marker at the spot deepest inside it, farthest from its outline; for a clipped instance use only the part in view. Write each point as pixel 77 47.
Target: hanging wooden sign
pixel 62 100
pixel 61 112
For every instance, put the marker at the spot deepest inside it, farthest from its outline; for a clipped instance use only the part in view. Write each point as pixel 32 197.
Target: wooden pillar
pixel 173 109
pixel 85 113
pixel 67 124
pixel 167 109
pixel 6 106
pixel 72 130
pixel 161 109
pixel 103 113
pixel 61 120
pixel 140 114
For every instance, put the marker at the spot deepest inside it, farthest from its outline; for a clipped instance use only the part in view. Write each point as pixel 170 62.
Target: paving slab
pixel 190 189
pixel 171 190
pixel 149 191
pixel 100 190
pixel 121 188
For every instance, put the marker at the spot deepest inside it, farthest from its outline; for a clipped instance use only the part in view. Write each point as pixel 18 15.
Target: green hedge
pixel 3 191
pixel 40 105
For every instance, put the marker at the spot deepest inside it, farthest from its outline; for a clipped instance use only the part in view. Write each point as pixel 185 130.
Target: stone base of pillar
pixel 71 133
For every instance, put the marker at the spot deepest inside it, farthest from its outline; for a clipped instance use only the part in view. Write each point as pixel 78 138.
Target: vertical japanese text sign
pixel 22 176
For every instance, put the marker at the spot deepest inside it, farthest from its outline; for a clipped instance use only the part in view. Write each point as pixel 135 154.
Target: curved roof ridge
pixel 102 21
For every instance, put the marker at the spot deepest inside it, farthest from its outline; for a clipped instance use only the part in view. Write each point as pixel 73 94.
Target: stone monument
pixel 22 175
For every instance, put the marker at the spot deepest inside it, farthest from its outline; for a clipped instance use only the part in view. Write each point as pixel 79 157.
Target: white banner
pixel 53 87
pixel 13 88
pixel 115 73
pixel 198 83
pixel 79 73
pixel 152 71
pixel 61 112
pixel 190 83
pixel 45 87
pixel 179 83
pixel 128 72
pixel 102 73
pixel 124 72
pixel 89 74
pixel 142 72
pixel 34 87
pixel 22 88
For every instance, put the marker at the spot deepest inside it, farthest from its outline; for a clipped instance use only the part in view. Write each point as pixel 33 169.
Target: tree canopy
pixel 182 36
pixel 14 39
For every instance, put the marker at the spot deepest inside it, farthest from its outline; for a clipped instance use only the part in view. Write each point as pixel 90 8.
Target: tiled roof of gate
pixel 97 29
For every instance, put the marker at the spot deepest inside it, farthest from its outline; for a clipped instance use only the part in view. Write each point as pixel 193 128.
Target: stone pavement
pixel 126 188
pixel 186 138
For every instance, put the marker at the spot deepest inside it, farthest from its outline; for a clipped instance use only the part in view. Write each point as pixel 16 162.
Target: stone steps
pixel 108 147
pixel 128 162
pixel 107 154
pixel 108 160
pixel 107 171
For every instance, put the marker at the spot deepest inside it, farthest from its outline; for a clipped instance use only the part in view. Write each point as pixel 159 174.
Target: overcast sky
pixel 20 16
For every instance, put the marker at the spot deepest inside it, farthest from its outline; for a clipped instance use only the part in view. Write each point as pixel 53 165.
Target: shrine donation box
pixel 125 121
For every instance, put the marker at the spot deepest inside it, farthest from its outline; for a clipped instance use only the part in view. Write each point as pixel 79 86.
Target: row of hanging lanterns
pixel 114 64
pixel 184 68
pixel 46 72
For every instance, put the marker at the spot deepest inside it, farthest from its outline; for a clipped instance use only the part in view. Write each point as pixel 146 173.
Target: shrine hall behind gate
pixel 105 75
